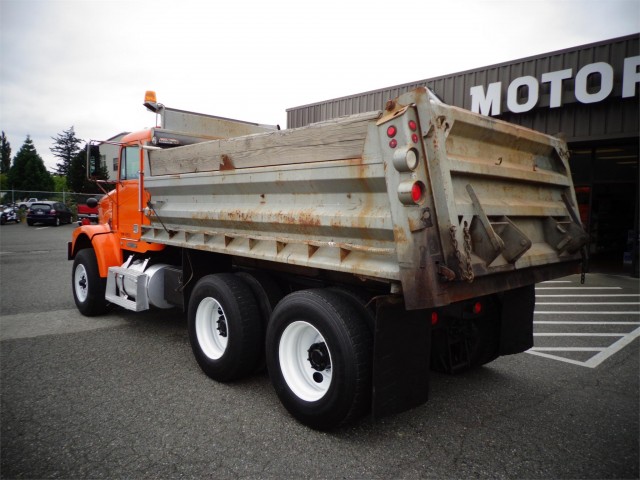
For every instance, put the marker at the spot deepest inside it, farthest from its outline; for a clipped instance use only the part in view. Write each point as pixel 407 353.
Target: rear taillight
pixel 52 212
pixel 417 192
pixel 411 192
pixel 434 318
pixel 477 308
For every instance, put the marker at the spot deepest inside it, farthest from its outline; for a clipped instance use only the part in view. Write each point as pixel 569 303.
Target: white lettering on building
pixel 593 83
pixel 488 104
pixel 630 76
pixel 555 85
pixel 605 71
pixel 513 92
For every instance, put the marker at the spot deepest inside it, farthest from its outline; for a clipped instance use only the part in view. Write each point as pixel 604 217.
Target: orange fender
pixel 103 241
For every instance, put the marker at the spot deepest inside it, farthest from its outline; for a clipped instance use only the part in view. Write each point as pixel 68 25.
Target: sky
pixel 86 64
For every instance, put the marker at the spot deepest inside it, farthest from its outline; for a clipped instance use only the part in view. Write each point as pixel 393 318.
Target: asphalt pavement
pixel 121 396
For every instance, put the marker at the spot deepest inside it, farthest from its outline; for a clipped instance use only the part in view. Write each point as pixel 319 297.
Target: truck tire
pixel 266 291
pixel 267 294
pixel 361 299
pixel 319 357
pixel 87 285
pixel 225 329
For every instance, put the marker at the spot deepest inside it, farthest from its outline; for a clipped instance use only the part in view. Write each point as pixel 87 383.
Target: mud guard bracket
pixel 402 351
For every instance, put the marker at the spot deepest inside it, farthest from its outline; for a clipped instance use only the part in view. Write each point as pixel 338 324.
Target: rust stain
pixel 399 235
pixel 226 163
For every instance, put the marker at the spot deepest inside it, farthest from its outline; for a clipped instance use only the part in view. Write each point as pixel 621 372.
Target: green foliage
pixel 5 163
pixel 65 147
pixel 60 183
pixel 28 172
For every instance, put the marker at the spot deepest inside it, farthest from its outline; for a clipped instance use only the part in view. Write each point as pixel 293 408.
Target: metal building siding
pixel 614 117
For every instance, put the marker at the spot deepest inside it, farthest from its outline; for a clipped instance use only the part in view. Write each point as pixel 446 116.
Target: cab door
pixel 129 206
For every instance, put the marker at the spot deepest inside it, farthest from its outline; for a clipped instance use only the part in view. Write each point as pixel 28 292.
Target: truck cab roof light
pixel 150 100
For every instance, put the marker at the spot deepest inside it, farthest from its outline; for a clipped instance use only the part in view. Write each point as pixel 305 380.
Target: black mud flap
pixel 402 348
pixel 516 333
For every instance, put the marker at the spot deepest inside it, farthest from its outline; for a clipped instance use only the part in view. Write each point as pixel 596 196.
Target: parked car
pixel 88 212
pixel 27 204
pixel 54 213
pixel 9 214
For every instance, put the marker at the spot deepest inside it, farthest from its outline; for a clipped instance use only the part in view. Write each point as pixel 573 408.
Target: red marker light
pixel 414 137
pixel 417 191
pixel 477 308
pixel 434 318
pixel 413 125
pixel 393 143
pixel 391 131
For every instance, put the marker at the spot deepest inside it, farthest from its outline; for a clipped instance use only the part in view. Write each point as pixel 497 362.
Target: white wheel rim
pixel 81 283
pixel 212 329
pixel 308 383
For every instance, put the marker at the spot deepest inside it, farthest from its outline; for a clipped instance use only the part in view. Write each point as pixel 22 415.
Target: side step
pixel 116 294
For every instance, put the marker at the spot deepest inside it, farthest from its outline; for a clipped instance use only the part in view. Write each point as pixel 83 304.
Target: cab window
pixel 130 163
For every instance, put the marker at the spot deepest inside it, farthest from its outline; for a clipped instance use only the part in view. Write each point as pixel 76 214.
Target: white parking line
pixel 578 288
pixel 607 295
pixel 588 303
pixel 583 313
pixel 604 334
pixel 568 349
pixel 591 299
pixel 553 322
pixel 593 362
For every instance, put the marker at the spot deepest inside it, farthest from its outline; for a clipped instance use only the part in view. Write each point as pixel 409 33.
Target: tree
pixel 77 178
pixel 28 172
pixel 65 147
pixel 5 164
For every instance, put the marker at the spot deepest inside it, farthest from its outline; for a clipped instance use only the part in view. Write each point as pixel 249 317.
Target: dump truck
pixel 348 257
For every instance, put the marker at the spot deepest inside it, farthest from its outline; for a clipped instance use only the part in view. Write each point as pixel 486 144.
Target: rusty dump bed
pixel 441 203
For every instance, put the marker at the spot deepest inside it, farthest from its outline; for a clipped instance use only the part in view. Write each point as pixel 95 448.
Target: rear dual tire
pixel 225 329
pixel 319 357
pixel 318 347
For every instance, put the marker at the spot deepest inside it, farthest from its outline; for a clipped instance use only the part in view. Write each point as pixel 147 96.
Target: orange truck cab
pixel 116 239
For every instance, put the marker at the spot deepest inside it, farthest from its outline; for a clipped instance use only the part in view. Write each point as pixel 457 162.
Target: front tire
pixel 225 329
pixel 87 285
pixel 319 356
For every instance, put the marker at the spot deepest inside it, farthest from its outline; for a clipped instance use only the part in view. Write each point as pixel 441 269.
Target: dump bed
pixel 441 203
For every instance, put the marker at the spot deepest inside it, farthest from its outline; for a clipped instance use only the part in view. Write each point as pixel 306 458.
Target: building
pixel 590 94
